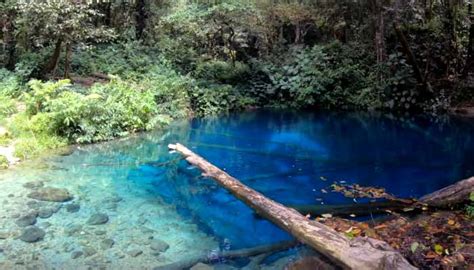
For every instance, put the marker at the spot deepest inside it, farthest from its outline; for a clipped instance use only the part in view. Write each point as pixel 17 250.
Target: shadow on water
pixel 293 158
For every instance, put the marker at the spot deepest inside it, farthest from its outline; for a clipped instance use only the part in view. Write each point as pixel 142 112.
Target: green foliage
pixel 7 107
pixel 215 99
pixel 331 76
pixel 3 163
pixel 9 84
pixel 470 207
pixel 32 136
pixel 106 111
pixel 222 71
pixel 127 60
pixel 42 93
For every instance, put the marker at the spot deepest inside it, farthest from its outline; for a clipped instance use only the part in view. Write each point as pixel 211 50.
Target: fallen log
pixel 450 196
pixel 345 210
pixel 359 253
pixel 228 254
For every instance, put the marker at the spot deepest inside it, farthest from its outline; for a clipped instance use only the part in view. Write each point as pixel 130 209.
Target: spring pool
pixel 152 197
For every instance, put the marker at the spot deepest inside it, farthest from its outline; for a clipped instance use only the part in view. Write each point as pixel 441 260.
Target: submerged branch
pixel 229 254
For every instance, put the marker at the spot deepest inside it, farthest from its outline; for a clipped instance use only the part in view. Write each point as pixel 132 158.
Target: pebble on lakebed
pixel 27 220
pixel 73 207
pixel 51 194
pixel 32 234
pixel 98 219
pixel 159 245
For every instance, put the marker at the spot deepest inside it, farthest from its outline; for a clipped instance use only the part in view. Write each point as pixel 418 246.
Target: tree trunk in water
pixel 67 60
pixel 346 210
pixel 53 61
pixel 140 17
pixel 230 254
pixel 451 195
pixel 360 253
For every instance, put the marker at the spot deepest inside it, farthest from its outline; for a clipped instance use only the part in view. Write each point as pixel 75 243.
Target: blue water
pixel 287 156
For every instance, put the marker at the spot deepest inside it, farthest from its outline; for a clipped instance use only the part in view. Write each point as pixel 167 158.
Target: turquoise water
pixel 292 158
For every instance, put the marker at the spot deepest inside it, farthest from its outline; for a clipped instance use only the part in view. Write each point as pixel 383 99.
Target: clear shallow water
pixel 281 154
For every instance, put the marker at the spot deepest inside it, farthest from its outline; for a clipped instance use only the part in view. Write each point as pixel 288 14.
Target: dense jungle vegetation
pixel 82 72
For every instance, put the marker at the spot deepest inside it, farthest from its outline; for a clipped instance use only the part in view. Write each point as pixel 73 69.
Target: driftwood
pixel 450 196
pixel 359 253
pixel 229 254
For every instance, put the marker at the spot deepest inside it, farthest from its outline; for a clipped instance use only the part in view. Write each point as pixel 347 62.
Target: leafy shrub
pixel 333 75
pixel 7 106
pixel 41 93
pixel 10 85
pixel 215 99
pixel 32 137
pixel 222 71
pixel 30 63
pixel 127 60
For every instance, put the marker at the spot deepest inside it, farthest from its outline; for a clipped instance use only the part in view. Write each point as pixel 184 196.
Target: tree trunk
pixel 67 60
pixel 427 90
pixel 451 195
pixel 345 210
pixel 140 17
pixel 9 40
pixel 360 253
pixel 468 67
pixel 108 13
pixel 53 61
pixel 379 25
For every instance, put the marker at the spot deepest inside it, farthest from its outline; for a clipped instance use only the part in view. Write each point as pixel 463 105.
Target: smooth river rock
pixel 98 219
pixel 107 243
pixel 73 207
pixel 159 245
pixel 27 220
pixel 51 194
pixel 33 184
pixel 134 252
pixel 45 212
pixel 32 234
pixel 76 254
